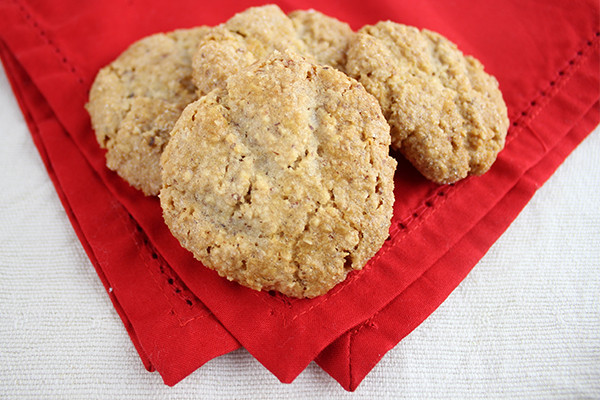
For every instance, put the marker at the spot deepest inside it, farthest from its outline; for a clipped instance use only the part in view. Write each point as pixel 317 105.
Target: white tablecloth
pixel 524 324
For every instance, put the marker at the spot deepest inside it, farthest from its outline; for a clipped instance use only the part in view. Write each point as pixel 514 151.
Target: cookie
pixel 326 38
pixel 258 31
pixel 281 180
pixel 447 115
pixel 135 101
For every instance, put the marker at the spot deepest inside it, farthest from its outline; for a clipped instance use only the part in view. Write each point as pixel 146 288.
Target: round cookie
pixel 446 114
pixel 135 101
pixel 255 33
pixel 282 179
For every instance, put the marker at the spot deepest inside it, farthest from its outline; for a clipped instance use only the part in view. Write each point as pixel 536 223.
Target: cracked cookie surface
pixel 255 33
pixel 282 179
pixel 447 115
pixel 135 101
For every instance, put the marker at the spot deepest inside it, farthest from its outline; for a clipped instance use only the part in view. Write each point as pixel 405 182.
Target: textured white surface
pixel 524 324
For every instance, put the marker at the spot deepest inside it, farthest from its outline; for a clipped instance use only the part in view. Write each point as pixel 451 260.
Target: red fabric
pixel 180 314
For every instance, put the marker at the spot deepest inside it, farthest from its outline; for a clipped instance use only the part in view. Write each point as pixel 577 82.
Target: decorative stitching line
pixel 149 253
pixel 563 75
pixel 179 289
pixel 353 332
pixel 61 56
pixel 350 341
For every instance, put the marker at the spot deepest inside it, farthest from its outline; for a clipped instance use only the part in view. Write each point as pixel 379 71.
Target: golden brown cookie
pixel 326 38
pixel 258 31
pixel 135 101
pixel 447 115
pixel 281 180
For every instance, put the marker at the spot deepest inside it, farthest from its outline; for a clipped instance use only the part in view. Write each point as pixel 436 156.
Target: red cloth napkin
pixel 180 314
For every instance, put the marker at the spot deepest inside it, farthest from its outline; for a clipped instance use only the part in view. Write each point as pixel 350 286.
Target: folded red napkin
pixel 178 313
